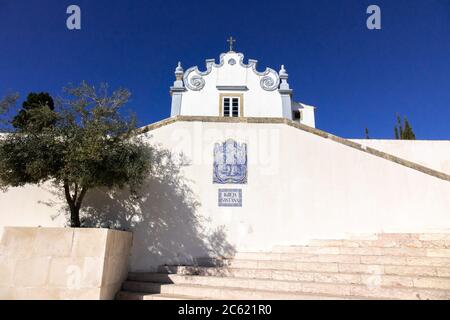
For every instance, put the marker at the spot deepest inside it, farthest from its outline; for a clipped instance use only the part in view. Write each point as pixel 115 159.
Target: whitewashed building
pixel 233 88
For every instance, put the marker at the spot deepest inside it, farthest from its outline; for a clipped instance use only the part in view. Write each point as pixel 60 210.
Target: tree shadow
pixel 163 216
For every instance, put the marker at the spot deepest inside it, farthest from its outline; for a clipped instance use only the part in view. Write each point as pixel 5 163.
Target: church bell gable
pixel 235 88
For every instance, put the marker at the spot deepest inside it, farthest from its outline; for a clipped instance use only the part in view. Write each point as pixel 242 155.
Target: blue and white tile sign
pixel 230 163
pixel 230 198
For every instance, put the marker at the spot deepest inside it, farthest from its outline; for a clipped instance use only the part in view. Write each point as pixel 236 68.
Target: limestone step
pixel 428 236
pixel 136 289
pixel 284 275
pixel 415 236
pixel 127 295
pixel 281 265
pixel 365 251
pixel 382 266
pixel 339 258
pixel 300 267
pixel 342 278
pixel 219 284
pixel 380 243
pixel 293 261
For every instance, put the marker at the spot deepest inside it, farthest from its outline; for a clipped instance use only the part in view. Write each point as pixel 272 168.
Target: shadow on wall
pixel 163 217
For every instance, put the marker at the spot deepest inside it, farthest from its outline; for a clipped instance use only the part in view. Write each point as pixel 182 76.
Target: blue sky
pixel 356 77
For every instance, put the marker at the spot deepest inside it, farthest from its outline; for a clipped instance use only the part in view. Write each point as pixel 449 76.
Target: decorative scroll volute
pixel 194 78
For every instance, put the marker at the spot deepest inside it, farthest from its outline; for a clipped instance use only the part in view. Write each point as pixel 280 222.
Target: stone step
pixel 342 278
pixel 399 270
pixel 218 284
pixel 128 295
pixel 284 275
pixel 365 251
pixel 339 258
pixel 290 261
pixel 404 266
pixel 135 289
pixel 414 236
pixel 444 235
pixel 381 243
pixel 282 265
pixel 302 267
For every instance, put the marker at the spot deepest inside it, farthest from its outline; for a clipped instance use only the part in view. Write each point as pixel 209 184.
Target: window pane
pixel 235 112
pixel 231 106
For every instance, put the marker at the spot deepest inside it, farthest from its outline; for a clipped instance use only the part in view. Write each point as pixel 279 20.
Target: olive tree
pixel 81 144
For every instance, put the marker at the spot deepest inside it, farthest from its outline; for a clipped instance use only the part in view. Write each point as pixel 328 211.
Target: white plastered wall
pixel 300 186
pixel 434 154
pixel 257 101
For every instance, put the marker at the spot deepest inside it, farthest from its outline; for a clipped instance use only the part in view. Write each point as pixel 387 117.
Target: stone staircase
pixel 384 266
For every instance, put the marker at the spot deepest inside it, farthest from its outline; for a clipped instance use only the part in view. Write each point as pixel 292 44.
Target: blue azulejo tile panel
pixel 230 198
pixel 230 163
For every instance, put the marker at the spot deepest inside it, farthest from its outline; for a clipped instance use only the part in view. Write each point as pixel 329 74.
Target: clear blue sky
pixel 357 78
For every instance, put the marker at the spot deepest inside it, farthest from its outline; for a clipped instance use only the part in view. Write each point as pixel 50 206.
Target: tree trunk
pixel 75 217
pixel 74 203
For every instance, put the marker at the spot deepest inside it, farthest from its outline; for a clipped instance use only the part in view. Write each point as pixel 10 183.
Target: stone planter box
pixel 62 263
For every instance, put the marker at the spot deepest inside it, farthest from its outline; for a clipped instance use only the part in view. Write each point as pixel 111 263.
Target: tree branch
pixel 69 198
pixel 75 192
pixel 80 198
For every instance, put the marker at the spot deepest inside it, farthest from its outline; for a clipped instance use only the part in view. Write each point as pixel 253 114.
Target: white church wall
pixel 433 154
pixel 308 116
pixel 300 186
pixel 32 206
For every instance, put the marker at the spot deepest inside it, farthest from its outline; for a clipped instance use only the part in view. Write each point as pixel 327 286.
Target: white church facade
pixel 240 167
pixel 232 88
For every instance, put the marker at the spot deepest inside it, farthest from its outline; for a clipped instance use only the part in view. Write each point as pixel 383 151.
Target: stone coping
pixel 403 141
pixel 323 134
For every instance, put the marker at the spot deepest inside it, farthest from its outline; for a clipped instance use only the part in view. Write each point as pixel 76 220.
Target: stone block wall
pixel 62 263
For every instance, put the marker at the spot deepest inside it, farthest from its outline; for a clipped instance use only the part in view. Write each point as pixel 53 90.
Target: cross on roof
pixel 231 41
